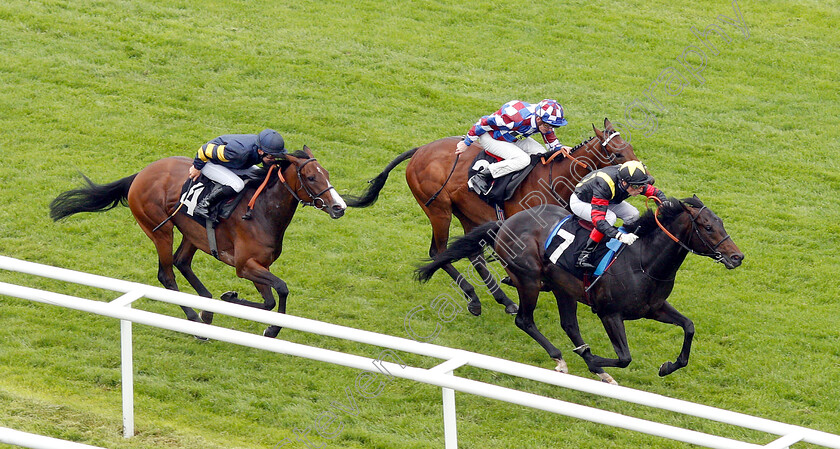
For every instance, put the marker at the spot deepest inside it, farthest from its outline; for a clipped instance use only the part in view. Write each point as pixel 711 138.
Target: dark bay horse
pixel 636 286
pixel 249 245
pixel 438 180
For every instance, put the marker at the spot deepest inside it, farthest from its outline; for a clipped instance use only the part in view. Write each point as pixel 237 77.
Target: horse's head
pixel 707 236
pixel 314 182
pixel 615 149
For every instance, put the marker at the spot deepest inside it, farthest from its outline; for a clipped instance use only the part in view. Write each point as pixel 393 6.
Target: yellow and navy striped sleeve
pixel 210 152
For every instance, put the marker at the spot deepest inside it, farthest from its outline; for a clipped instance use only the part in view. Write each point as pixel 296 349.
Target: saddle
pixel 565 242
pixel 193 192
pixel 505 186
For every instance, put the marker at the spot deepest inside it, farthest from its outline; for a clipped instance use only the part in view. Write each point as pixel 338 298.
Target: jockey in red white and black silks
pixel 506 134
pixel 599 198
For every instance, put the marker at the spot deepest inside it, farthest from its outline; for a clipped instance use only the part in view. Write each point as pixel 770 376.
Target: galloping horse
pixel 636 285
pixel 438 180
pixel 250 245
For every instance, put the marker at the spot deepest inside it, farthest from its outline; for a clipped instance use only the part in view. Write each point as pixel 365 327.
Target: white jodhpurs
pixel 623 210
pixel 515 156
pixel 227 176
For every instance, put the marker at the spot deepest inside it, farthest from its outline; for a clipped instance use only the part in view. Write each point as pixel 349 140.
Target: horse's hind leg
pixel 183 261
pixel 669 315
pixel 440 235
pixel 480 265
pixel 166 275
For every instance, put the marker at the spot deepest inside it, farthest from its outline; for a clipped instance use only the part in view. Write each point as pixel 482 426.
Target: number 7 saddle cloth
pixel 568 237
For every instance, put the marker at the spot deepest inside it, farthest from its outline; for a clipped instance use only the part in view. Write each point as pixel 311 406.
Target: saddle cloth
pixel 565 242
pixel 193 192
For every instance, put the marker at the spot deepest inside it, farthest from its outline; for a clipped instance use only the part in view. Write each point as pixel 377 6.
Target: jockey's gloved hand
pixel 627 239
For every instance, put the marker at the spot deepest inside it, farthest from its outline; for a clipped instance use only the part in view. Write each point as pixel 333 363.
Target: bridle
pixel 610 154
pixel 315 199
pixel 716 255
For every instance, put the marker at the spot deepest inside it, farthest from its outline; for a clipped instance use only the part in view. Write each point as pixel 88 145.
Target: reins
pixel 567 154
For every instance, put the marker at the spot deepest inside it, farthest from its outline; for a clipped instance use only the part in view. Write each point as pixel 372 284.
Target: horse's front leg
pixel 264 281
pixel 669 315
pixel 529 292
pixel 480 265
pixel 614 325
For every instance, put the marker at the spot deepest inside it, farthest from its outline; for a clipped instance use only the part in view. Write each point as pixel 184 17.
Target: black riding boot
pixel 482 181
pixel 217 194
pixel 583 260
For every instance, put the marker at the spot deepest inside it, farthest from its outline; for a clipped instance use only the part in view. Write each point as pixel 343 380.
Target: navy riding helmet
pixel 271 142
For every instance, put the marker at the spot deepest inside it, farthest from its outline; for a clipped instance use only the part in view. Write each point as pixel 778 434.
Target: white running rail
pixel 33 441
pixel 441 375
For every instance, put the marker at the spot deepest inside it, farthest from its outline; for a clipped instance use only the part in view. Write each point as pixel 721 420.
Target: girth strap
pixel 211 238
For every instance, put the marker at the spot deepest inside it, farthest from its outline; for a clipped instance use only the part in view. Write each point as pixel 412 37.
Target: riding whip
pixel 180 205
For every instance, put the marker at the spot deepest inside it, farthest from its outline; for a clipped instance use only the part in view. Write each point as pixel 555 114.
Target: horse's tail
pixel 91 198
pixel 372 193
pixel 469 245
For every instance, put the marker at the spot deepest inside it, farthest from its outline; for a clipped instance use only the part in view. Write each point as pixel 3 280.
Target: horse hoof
pixel 229 296
pixel 271 331
pixel 474 307
pixel 667 368
pixel 606 378
pixel 511 309
pixel 506 280
pixel 561 366
pixel 206 316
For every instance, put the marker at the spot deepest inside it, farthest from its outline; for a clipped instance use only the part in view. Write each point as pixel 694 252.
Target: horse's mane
pixel 283 164
pixel 668 211
pixel 574 148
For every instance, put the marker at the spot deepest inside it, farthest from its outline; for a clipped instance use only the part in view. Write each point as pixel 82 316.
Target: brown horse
pixel 250 245
pixel 438 180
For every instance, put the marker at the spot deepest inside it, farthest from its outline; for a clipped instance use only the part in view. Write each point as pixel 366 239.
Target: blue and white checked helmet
pixel 551 113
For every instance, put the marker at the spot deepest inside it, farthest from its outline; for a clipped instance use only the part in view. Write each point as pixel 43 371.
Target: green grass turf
pixel 107 87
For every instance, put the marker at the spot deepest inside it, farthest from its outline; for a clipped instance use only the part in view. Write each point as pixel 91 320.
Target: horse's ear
pixel 308 151
pixel 607 125
pixel 597 132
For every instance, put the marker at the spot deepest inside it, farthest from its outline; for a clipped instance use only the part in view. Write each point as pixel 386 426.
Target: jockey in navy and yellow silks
pixel 226 157
pixel 232 150
pixel 599 198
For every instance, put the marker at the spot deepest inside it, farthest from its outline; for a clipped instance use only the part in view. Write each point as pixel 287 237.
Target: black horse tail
pixel 372 193
pixel 91 198
pixel 469 245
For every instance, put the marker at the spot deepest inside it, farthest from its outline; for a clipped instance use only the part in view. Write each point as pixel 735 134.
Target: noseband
pixel 315 199
pixel 716 255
